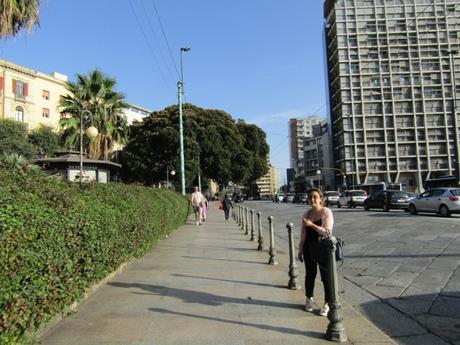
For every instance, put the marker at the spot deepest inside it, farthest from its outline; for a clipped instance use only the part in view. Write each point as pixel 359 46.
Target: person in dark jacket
pixel 227 203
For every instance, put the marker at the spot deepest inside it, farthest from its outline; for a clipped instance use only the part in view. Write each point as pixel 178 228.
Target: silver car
pixel 443 201
pixel 352 198
pixel 331 198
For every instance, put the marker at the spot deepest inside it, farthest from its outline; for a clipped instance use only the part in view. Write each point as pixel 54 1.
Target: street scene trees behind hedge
pixel 225 149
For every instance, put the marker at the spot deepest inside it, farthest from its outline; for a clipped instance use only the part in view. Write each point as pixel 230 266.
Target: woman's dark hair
pixel 321 195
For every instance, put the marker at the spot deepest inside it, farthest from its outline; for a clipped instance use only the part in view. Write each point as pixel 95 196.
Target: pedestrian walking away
pixel 317 224
pixel 227 203
pixel 198 205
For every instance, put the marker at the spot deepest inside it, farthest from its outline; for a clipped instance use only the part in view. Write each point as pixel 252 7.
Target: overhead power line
pixel 166 39
pixel 149 46
pixel 156 39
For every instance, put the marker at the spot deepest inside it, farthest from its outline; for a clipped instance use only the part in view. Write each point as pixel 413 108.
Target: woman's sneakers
pixel 309 304
pixel 309 307
pixel 324 310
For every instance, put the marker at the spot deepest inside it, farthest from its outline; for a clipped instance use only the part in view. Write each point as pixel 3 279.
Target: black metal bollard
pixel 246 211
pixel 259 226
pixel 293 274
pixel 272 251
pixel 335 329
pixel 252 225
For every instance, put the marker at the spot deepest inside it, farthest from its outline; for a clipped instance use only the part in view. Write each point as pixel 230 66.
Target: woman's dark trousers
pixel 311 268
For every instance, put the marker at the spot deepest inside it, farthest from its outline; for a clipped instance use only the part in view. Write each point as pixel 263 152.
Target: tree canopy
pixel 227 150
pixel 45 140
pixel 102 106
pixel 13 139
pixel 16 15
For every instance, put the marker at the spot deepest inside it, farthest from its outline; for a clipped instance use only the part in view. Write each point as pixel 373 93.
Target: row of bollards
pixel 335 330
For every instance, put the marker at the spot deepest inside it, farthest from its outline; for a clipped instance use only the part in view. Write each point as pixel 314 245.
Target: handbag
pixel 221 207
pixel 339 249
pixel 319 251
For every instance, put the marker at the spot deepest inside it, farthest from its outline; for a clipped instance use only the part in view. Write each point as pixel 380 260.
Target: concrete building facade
pixel 299 129
pixel 318 159
pixel 391 66
pixel 268 184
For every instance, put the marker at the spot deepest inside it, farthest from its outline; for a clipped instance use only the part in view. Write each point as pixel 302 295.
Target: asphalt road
pixel 401 271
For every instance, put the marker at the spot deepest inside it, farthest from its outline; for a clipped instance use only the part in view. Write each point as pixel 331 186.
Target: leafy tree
pixel 45 140
pixel 16 15
pixel 210 136
pixel 254 141
pixel 13 139
pixel 94 93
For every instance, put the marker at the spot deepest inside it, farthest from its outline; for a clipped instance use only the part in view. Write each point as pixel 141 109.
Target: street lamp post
pixel 318 172
pixel 344 176
pixel 352 134
pixel 169 170
pixel 452 53
pixel 91 132
pixel 180 94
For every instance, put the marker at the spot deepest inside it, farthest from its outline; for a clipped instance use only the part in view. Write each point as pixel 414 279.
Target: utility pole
pixel 180 94
pixel 199 174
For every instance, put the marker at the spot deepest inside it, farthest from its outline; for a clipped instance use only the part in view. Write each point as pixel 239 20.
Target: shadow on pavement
pixel 230 281
pixel 284 330
pixel 191 296
pixel 228 260
pixel 430 319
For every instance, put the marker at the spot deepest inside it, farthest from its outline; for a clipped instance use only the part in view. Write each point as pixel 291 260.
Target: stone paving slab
pixel 204 285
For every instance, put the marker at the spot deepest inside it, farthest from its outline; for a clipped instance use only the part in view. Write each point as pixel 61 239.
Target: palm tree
pixel 96 94
pixel 17 14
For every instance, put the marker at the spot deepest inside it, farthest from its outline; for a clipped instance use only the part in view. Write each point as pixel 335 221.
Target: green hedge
pixel 57 239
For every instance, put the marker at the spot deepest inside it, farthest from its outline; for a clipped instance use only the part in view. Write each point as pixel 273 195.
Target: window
pixel 19 114
pixel 45 113
pixel 20 88
pixel 45 95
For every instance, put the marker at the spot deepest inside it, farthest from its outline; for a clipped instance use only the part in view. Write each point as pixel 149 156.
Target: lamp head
pixel 173 173
pixel 186 49
pixel 91 132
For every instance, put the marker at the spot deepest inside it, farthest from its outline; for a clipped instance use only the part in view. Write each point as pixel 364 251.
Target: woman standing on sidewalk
pixel 317 224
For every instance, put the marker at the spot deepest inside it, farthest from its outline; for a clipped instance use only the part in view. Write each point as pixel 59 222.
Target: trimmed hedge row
pixel 57 239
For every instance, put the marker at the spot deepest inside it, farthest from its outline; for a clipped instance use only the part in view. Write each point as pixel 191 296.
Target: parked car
pixel 331 198
pixel 443 201
pixel 352 198
pixel 412 195
pixel 281 197
pixel 289 197
pixel 238 197
pixel 300 198
pixel 387 199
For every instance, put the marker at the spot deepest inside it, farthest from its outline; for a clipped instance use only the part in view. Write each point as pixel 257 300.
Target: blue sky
pixel 258 60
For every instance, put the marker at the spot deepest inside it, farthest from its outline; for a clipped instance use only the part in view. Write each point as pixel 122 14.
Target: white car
pixel 352 198
pixel 443 201
pixel 331 198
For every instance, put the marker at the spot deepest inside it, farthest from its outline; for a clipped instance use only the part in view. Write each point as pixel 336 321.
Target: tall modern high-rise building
pixel 392 67
pixel 300 129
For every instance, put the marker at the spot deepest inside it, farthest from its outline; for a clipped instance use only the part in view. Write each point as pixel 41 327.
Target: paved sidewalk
pixel 204 285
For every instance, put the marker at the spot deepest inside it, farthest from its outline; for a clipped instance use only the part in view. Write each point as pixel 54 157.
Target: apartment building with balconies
pixel 300 129
pixel 392 68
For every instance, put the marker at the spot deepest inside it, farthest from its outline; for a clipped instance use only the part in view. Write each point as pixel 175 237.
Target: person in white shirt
pixel 198 205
